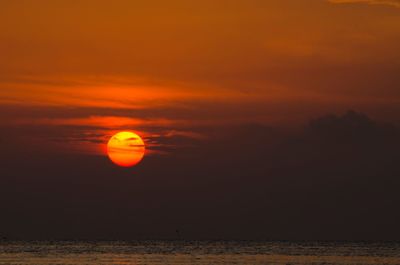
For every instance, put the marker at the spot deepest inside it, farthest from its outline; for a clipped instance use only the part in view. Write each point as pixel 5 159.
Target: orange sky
pixel 261 120
pixel 192 63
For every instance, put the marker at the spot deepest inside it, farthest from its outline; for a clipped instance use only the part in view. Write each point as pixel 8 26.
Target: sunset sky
pixel 254 113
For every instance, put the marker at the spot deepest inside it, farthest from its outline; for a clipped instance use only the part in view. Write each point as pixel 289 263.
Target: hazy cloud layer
pixel 335 178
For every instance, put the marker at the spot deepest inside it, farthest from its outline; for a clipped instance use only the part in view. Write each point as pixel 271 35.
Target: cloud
pixel 394 3
pixel 99 122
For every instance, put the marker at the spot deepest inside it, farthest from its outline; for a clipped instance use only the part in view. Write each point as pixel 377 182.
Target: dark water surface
pixel 198 252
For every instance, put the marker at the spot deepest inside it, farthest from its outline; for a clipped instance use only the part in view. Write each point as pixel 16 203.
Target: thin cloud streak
pixel 394 3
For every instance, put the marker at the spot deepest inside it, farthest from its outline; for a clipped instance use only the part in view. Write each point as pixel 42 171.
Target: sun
pixel 125 149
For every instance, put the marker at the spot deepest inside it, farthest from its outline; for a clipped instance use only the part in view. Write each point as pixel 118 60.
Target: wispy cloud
pixel 394 3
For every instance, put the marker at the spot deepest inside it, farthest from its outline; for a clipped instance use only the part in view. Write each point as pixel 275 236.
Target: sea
pixel 154 252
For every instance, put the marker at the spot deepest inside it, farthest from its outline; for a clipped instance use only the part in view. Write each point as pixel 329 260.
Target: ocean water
pixel 198 252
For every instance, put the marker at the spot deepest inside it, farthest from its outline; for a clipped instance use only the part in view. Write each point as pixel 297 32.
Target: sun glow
pixel 126 149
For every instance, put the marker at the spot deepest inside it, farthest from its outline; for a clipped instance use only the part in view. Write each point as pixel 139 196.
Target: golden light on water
pixel 125 149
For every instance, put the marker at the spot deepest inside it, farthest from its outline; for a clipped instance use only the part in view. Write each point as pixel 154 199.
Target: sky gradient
pixel 254 114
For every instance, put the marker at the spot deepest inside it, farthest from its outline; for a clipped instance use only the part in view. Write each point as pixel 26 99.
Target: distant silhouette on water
pixel 178 234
